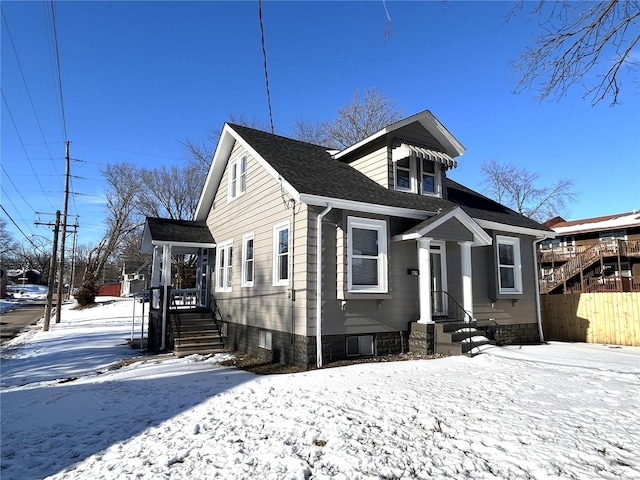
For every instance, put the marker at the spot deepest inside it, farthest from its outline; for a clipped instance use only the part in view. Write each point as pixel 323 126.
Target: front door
pixel 437 257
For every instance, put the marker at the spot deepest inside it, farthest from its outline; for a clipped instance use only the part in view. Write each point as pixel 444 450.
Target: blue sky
pixel 139 78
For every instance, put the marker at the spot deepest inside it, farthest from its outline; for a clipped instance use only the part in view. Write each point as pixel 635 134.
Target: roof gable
pixel 181 233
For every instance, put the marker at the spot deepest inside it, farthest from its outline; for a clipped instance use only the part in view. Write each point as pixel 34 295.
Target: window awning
pixel 404 148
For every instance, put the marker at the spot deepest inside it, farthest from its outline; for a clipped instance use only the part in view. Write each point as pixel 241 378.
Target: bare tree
pixel 200 154
pixel 311 132
pixel 519 189
pixel 585 43
pixel 170 192
pixel 124 184
pixel 362 117
pixel 8 244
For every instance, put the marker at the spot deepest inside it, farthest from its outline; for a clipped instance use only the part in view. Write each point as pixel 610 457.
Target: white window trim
pixel 235 175
pixel 437 179
pixel 517 272
pixel 415 177
pixel 381 227
pixel 228 269
pixel 244 281
pixel 276 230
pixel 412 175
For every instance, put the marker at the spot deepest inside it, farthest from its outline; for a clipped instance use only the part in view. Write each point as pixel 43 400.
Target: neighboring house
pixel 133 282
pixel 309 255
pixel 600 254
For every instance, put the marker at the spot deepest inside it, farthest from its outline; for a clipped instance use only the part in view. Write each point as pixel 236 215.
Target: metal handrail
pixel 460 314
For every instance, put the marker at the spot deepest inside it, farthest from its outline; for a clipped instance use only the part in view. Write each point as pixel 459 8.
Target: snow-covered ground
pixel 20 293
pixel 548 411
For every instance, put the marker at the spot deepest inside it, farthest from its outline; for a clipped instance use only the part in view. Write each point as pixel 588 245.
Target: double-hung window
pixel 403 175
pixel 281 254
pixel 367 255
pixel 509 265
pixel 224 266
pixel 428 174
pixel 247 260
pixel 417 175
pixel 237 176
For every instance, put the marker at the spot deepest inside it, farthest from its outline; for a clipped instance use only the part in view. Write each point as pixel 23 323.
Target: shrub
pixel 87 294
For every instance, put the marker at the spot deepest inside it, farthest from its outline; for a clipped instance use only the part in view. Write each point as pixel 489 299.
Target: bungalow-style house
pixel 308 255
pixel 599 254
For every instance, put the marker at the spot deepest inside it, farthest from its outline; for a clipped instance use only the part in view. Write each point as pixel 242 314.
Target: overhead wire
pixel 24 81
pixel 18 227
pixel 23 147
pixel 57 52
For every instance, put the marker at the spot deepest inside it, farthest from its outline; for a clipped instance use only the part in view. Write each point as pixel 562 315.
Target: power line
pixel 120 150
pixel 55 38
pixel 16 188
pixel 18 227
pixel 23 147
pixel 266 73
pixel 8 197
pixel 24 80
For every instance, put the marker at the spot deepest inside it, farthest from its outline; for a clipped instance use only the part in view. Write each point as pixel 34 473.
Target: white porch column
pixel 424 265
pixel 155 268
pixel 467 286
pixel 166 282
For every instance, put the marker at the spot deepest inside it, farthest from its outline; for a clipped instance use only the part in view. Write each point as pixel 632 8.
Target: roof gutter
pixel 319 284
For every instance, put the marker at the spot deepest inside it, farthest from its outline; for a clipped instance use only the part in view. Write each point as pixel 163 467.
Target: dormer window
pixel 403 175
pixel 418 168
pixel 417 175
pixel 428 184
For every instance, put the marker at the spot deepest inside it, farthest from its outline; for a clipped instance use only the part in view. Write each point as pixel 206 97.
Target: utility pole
pixel 64 234
pixel 73 258
pixel 52 275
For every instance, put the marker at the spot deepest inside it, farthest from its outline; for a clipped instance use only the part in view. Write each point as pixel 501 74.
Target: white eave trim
pixel 428 121
pixel 183 244
pixel 220 159
pixel 480 237
pixel 515 229
pixel 320 201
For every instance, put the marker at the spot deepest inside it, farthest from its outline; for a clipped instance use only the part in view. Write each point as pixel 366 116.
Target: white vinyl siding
pixel 224 266
pixel 281 254
pixel 509 264
pixel 367 255
pixel 237 180
pixel 248 258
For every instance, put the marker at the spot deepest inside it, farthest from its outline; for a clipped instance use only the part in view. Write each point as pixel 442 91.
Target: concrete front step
pixel 459 339
pixel 201 349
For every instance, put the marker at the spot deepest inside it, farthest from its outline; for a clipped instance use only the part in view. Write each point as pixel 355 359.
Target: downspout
pixel 537 284
pixel 319 284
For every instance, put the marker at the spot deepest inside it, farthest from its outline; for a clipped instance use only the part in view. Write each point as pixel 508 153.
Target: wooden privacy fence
pixel 611 318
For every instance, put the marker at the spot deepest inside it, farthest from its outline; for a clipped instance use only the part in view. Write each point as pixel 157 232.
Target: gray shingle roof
pixel 311 170
pixel 170 230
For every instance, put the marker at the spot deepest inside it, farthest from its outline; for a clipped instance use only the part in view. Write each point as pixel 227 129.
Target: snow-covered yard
pixel 548 411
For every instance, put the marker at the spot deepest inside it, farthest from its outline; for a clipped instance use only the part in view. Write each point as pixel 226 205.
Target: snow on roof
pixel 595 224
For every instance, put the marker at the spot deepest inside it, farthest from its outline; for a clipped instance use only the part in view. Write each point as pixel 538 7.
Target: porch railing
pixel 444 305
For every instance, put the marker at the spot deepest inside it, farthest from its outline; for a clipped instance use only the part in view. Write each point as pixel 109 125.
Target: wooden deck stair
pixel 195 332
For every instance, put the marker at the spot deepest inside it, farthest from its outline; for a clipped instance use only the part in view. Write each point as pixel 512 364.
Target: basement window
pixel 360 345
pixel 264 339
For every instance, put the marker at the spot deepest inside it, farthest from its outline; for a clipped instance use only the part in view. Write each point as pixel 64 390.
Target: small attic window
pixel 237 177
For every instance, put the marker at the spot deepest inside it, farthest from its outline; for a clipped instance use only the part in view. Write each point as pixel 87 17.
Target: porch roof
pixel 480 237
pixel 185 236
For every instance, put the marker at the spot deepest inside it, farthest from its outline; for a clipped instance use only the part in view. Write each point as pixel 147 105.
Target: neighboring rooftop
pixel 595 224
